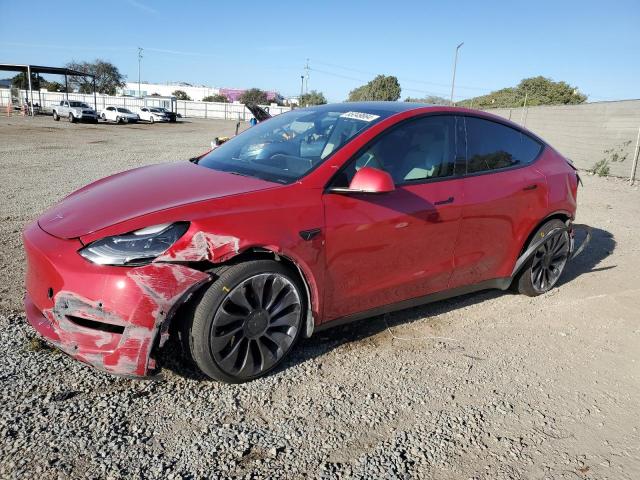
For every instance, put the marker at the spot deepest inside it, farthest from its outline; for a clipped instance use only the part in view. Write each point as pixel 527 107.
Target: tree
pixel 107 77
pixel 181 95
pixel 544 91
pixel 432 99
pixel 218 97
pixel 255 96
pixel 385 88
pixel 21 81
pixel 52 86
pixel 536 90
pixel 312 98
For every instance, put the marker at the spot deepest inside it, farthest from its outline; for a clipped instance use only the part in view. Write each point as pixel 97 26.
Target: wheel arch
pixel 297 268
pixel 562 215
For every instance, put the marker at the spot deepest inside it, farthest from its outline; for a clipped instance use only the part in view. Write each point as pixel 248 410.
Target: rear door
pixel 385 248
pixel 504 197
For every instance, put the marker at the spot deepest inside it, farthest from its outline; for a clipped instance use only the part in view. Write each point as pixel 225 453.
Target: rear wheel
pixel 247 321
pixel 545 267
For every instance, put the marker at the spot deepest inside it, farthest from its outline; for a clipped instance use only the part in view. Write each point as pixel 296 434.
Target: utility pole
pixel 306 67
pixel 301 89
pixel 139 64
pixel 455 64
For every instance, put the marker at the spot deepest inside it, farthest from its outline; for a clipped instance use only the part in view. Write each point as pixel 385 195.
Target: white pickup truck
pixel 74 111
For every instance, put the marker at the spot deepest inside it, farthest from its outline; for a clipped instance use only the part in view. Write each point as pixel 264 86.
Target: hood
pixel 258 112
pixel 138 192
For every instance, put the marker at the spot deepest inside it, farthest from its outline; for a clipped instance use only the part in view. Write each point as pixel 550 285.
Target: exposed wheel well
pixel 261 253
pixel 558 215
pixel 248 256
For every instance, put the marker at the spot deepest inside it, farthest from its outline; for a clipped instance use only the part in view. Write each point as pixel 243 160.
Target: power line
pixel 403 79
pixel 361 80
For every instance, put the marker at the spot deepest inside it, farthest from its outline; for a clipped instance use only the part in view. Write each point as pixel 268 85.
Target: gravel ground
pixel 489 385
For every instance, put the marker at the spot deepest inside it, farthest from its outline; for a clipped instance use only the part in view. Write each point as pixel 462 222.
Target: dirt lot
pixel 490 385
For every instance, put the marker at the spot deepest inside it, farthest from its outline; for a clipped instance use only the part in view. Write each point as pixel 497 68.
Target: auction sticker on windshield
pixel 365 117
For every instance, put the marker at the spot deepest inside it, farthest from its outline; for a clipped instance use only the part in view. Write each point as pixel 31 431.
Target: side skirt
pixel 496 283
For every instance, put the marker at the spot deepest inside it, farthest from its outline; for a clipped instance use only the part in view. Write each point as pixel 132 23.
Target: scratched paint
pixel 160 288
pixel 203 247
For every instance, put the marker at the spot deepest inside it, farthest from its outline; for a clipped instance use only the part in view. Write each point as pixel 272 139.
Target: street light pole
pixel 301 90
pixel 139 63
pixel 455 64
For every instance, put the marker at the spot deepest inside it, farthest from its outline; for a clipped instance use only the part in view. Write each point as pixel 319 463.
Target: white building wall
pixel 196 93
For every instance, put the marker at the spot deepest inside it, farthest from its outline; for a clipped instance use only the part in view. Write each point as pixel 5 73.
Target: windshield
pixel 123 110
pixel 288 146
pixel 78 104
pixel 156 110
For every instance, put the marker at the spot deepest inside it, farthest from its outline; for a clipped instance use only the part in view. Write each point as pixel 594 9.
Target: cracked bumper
pixel 108 317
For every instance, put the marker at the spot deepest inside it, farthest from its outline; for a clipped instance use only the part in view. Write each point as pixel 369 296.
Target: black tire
pixel 56 117
pixel 104 117
pixel 541 273
pixel 72 119
pixel 118 120
pixel 151 120
pixel 237 334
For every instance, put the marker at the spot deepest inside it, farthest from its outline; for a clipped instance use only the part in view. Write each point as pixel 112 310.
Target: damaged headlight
pixel 136 247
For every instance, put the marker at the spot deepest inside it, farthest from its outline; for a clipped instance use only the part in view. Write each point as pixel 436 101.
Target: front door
pixel 385 248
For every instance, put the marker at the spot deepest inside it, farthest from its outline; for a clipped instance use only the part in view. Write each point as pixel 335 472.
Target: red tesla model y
pixel 311 218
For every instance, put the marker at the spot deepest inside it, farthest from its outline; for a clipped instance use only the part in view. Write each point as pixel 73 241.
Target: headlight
pixel 134 248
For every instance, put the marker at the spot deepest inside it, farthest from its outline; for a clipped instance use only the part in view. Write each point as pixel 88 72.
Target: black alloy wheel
pixel 255 325
pixel 246 321
pixel 549 261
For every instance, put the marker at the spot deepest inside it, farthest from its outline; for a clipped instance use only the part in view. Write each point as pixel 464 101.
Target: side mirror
pixel 369 180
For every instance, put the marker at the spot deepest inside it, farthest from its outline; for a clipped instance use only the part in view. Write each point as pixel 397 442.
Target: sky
pixel 593 45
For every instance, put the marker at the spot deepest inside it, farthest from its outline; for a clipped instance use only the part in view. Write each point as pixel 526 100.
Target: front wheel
pixel 247 321
pixel 151 120
pixel 543 270
pixel 72 119
pixel 56 117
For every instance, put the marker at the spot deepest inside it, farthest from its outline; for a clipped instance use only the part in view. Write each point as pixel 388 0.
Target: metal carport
pixel 29 69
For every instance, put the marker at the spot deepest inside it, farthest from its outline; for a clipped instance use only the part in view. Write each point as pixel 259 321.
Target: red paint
pixel 374 249
pixel 372 180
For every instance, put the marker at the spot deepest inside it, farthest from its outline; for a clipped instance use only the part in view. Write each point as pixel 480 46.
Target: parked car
pixel 171 115
pixel 313 218
pixel 74 111
pixel 119 115
pixel 153 114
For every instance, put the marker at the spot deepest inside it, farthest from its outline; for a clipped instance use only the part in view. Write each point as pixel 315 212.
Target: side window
pixel 414 151
pixel 111 109
pixel 491 146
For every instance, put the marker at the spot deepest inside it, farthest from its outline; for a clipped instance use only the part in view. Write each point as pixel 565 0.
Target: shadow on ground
pixel 601 246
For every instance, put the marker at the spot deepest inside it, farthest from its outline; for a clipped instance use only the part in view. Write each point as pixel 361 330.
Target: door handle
pixel 444 202
pixel 530 187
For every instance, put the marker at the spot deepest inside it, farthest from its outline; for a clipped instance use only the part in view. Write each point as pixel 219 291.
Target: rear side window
pixel 492 146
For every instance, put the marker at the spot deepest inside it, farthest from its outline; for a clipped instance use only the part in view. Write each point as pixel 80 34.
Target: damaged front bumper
pixel 109 317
